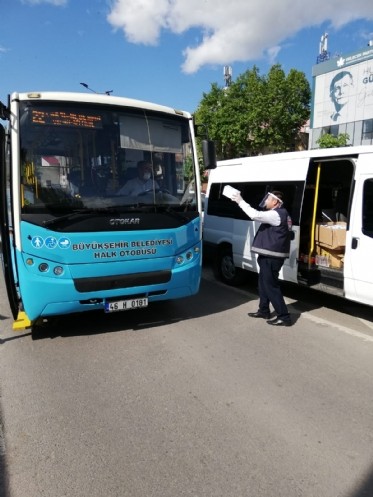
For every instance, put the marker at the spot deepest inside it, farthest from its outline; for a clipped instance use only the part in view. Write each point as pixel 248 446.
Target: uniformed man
pixel 272 244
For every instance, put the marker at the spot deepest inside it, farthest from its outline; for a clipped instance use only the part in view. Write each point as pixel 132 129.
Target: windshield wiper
pixel 78 214
pixel 139 207
pixel 166 209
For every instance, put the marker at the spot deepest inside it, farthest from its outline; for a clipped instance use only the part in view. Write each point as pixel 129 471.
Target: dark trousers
pixel 269 286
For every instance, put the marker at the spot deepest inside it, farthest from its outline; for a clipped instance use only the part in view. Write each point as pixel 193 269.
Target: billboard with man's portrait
pixel 344 94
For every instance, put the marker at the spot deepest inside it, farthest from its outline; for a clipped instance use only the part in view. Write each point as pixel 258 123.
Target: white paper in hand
pixel 229 191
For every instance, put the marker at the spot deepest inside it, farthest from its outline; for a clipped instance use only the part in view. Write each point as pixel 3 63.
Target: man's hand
pixel 236 197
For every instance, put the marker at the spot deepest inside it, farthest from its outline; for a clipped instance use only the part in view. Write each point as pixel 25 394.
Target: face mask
pixel 147 176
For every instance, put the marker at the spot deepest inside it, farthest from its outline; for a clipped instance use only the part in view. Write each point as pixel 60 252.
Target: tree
pixel 330 141
pixel 256 114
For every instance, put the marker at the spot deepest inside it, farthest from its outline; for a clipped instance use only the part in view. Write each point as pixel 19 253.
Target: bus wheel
pixel 226 270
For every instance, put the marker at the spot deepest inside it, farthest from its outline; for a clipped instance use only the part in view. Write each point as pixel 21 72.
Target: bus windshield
pixel 82 160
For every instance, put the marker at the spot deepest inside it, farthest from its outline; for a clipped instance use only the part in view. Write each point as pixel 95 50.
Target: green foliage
pixel 331 141
pixel 256 114
pixel 189 169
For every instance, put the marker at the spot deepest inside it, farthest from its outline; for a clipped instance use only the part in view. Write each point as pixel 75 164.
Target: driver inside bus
pixel 144 182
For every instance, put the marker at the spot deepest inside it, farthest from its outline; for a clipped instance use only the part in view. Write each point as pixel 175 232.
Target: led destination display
pixel 65 118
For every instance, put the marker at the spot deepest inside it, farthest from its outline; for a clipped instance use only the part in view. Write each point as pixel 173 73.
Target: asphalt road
pixel 190 398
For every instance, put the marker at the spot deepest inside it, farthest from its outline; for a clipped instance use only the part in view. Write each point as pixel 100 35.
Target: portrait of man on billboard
pixel 340 88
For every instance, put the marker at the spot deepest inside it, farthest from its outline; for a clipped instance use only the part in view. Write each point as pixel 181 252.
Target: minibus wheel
pixel 225 269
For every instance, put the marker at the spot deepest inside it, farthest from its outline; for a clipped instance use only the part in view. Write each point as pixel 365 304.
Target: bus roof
pixel 97 98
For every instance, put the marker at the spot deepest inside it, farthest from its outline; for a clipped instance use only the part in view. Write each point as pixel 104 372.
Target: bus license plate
pixel 126 305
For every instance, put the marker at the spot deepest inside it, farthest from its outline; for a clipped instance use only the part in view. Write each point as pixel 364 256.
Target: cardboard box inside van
pixel 329 258
pixel 331 235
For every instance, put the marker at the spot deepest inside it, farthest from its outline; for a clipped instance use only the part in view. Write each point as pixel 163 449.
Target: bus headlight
pixel 43 267
pixel 58 270
pixel 188 256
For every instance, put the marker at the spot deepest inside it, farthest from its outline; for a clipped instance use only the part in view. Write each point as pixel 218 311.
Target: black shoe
pixel 259 314
pixel 280 322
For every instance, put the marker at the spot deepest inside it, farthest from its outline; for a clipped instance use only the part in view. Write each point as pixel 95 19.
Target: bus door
pixel 358 264
pixel 6 229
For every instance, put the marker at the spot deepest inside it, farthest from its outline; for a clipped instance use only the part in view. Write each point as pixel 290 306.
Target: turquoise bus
pixel 72 241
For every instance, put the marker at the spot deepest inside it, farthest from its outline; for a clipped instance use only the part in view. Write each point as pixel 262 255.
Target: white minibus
pixel 329 195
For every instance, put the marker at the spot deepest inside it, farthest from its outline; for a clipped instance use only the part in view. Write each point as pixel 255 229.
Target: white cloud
pixel 239 30
pixel 141 20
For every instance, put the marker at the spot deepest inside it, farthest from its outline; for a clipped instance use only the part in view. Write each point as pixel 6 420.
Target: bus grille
pixel 121 281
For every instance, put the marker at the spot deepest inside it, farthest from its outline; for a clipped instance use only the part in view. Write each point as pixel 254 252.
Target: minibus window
pixel 368 208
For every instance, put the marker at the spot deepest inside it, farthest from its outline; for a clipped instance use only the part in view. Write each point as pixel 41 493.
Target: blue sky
pixel 167 51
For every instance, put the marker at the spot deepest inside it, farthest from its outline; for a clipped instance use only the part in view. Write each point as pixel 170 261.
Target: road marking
pixel 349 331
pixel 367 338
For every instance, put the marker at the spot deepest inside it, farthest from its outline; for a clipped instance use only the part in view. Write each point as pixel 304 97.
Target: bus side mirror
pixel 209 154
pixel 4 112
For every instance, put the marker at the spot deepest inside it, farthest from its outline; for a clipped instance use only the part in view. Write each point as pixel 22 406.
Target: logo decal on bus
pixel 124 220
pixel 50 242
pixel 37 242
pixel 64 243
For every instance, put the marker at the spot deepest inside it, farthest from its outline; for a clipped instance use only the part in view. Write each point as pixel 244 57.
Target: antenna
pixel 107 92
pixel 323 49
pixel 323 43
pixel 227 75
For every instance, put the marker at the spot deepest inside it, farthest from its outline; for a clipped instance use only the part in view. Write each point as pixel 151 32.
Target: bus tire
pixel 225 269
